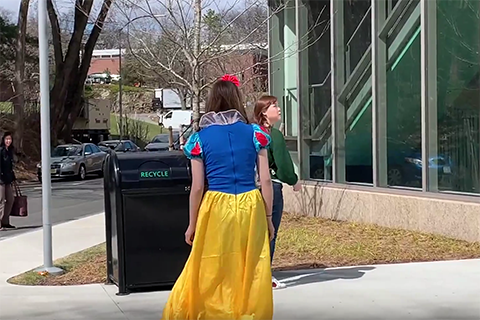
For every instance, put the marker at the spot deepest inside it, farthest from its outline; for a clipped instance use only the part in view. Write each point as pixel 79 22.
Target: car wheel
pixel 395 176
pixel 82 172
pixel 318 173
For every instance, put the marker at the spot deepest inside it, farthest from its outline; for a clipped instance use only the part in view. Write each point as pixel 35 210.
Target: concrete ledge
pixel 455 219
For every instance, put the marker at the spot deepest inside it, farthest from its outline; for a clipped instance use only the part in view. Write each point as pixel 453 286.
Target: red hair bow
pixel 231 78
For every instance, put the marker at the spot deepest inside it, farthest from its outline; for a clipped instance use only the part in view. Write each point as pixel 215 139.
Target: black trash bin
pixel 146 214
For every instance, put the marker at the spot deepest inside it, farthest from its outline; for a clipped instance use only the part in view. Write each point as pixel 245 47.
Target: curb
pixel 28 183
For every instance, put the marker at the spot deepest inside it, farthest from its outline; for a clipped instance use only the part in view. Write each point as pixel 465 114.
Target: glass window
pixel 316 64
pixel 358 106
pixel 120 146
pixel 161 138
pixel 95 149
pixel 391 5
pixel 404 157
pixel 358 142
pixel 66 151
pixel 290 57
pixel 458 113
pixel 88 149
pixel 358 32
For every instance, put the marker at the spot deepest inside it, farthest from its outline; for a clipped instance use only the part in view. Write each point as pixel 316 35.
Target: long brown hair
pixel 225 96
pixel 261 106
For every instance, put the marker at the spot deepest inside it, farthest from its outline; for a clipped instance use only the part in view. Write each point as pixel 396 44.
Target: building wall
pixel 398 109
pixel 452 218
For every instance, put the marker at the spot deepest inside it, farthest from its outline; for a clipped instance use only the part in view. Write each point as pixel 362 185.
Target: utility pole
pixel 45 140
pixel 120 84
pixel 197 30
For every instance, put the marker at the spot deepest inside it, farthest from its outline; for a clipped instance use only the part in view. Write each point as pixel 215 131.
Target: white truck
pixel 93 122
pixel 175 119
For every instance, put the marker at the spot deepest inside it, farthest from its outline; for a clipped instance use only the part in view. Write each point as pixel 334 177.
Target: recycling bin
pixel 146 215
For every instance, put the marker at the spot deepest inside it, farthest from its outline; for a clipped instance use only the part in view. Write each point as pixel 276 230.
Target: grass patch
pixel 153 129
pixel 303 242
pixel 6 107
pixel 84 267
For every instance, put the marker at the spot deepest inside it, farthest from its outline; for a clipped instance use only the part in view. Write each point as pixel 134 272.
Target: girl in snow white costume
pixel 227 275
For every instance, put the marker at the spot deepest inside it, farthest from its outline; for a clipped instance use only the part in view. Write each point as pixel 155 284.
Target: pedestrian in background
pixel 266 114
pixel 7 178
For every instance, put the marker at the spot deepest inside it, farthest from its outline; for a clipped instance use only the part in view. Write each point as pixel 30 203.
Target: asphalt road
pixel 71 200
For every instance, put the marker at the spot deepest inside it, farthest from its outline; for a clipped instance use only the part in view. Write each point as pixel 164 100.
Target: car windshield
pixel 160 139
pixel 112 145
pixel 66 151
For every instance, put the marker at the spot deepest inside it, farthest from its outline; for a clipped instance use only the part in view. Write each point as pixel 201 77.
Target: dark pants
pixel 6 203
pixel 277 211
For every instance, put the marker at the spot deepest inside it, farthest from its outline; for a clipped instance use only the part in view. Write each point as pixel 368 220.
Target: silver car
pixel 75 160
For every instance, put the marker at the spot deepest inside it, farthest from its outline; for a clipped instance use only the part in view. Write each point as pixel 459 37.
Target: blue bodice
pixel 229 152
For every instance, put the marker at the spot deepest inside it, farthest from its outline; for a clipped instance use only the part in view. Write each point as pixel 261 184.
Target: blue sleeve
pixel 261 138
pixel 193 147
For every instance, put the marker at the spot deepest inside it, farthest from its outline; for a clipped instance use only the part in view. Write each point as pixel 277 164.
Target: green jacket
pixel 280 162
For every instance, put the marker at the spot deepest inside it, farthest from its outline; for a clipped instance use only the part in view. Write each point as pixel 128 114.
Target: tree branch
pixel 56 36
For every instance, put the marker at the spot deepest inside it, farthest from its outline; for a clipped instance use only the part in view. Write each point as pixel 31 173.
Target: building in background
pixel 105 60
pixel 381 109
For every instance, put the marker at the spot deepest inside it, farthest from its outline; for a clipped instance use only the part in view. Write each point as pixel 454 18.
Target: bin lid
pixel 146 170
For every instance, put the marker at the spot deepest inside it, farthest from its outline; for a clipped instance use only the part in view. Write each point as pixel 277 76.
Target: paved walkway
pixel 441 290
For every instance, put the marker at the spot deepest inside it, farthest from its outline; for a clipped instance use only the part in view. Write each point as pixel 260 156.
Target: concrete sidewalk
pixel 439 290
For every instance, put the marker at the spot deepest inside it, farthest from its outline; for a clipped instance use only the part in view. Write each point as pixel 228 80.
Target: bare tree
pixel 192 49
pixel 72 64
pixel 19 102
pixel 188 50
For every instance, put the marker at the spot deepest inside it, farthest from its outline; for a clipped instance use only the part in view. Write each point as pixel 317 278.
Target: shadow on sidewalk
pixel 27 227
pixel 301 277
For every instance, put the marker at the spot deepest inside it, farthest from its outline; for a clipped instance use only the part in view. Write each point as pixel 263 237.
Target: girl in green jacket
pixel 266 114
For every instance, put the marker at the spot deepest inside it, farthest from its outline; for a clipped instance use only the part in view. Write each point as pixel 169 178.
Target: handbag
pixel 20 203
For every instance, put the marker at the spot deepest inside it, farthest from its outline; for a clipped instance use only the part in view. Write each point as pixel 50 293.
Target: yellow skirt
pixel 227 275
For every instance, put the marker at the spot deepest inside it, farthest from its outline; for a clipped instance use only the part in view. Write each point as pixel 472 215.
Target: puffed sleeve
pixel 261 138
pixel 193 147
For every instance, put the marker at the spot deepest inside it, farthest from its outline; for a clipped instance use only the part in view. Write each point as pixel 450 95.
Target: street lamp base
pixel 54 271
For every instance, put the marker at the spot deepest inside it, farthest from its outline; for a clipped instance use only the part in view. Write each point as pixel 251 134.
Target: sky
pixel 10 5
pixel 13 5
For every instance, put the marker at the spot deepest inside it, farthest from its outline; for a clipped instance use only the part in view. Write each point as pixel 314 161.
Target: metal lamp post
pixel 45 140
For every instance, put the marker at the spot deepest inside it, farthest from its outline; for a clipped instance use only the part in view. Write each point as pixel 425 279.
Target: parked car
pixel 161 142
pixel 404 169
pixel 118 146
pixel 75 160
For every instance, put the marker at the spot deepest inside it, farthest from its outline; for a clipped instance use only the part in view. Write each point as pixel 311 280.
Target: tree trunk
pixel 19 102
pixel 71 70
pixel 196 85
pixel 183 98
